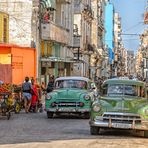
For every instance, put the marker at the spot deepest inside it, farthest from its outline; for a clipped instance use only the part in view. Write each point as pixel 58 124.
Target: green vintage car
pixel 123 104
pixel 70 95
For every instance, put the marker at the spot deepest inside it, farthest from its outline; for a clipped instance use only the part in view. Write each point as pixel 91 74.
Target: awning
pixel 48 4
pixel 57 59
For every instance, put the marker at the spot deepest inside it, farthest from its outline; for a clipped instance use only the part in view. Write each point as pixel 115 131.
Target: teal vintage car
pixel 70 95
pixel 123 104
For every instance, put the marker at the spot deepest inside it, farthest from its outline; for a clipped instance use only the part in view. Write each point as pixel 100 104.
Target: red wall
pixel 5 73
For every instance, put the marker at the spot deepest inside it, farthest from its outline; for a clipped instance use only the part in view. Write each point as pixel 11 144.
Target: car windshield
pixel 120 89
pixel 80 84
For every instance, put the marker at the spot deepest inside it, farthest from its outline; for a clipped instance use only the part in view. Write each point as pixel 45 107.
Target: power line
pixel 125 39
pixel 136 34
pixel 21 20
pixel 132 27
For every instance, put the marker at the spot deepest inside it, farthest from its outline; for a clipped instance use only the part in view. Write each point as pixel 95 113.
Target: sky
pixel 131 13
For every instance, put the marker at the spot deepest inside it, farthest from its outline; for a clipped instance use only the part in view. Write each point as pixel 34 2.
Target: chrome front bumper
pixel 103 124
pixel 68 110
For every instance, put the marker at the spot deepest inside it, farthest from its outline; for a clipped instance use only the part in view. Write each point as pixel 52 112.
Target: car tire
pixel 145 134
pixel 17 108
pixel 86 115
pixel 94 130
pixel 49 114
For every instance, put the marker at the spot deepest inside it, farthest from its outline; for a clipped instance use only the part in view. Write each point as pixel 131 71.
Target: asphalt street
pixel 35 130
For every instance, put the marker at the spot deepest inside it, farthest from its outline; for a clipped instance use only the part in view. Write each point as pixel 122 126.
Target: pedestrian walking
pixel 34 100
pixel 26 92
pixel 50 84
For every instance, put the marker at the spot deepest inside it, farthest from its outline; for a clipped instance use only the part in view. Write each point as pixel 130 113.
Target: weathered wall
pixel 20 12
pixel 18 63
pixel 6 73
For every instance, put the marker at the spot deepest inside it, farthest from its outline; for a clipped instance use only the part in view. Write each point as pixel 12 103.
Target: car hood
pixel 69 93
pixel 123 103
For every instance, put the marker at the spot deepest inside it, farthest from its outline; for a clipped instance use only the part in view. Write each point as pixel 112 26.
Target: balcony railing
pixel 64 1
pixel 53 32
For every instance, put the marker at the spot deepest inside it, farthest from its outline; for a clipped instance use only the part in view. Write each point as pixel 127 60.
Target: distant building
pixel 142 57
pixel 99 60
pixel 82 46
pixel 53 36
pixel 131 63
pixel 119 65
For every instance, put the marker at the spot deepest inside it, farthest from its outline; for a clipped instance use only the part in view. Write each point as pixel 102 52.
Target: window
pixel 130 90
pixel 5 30
pixel 120 89
pixel 71 84
pixel 115 89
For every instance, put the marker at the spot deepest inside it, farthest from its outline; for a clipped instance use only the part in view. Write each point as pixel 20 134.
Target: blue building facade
pixel 109 30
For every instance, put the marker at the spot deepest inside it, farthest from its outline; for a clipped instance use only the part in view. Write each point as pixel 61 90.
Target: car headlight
pixel 48 97
pixel 146 112
pixel 96 108
pixel 86 97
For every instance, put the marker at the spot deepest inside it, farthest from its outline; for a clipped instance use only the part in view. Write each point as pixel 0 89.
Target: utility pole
pixel 37 36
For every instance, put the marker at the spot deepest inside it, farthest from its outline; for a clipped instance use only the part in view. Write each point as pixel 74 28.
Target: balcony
pixel 53 32
pixel 87 11
pixel 100 23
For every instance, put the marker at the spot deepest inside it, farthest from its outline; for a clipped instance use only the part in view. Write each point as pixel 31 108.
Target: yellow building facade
pixel 4 27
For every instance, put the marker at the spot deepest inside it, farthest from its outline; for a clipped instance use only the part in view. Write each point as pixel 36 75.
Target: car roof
pixel 73 78
pixel 124 81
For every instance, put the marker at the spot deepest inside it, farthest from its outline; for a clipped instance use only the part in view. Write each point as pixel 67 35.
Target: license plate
pixel 121 125
pixel 67 110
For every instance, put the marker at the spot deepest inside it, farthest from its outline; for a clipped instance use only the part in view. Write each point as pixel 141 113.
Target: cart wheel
pixel 8 115
pixel 17 108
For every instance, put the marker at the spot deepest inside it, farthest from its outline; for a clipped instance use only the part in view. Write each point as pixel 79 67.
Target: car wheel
pixel 49 114
pixel 17 108
pixel 86 115
pixel 94 130
pixel 145 134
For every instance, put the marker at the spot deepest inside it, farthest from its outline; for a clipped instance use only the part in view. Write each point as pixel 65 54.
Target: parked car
pixel 122 105
pixel 70 95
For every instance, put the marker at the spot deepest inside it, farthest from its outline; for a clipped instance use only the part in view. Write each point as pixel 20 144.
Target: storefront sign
pixel 17 65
